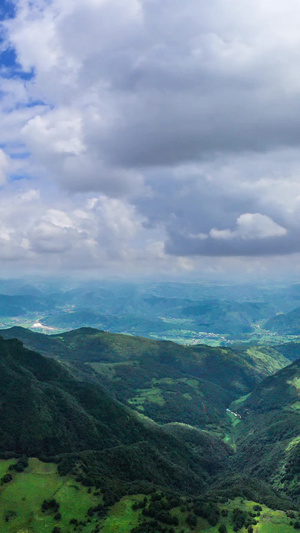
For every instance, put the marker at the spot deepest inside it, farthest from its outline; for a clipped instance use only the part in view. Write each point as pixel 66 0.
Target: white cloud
pixel 47 237
pixel 167 127
pixel 28 196
pixel 153 83
pixel 4 167
pixel 56 132
pixel 52 232
pixel 58 218
pixel 222 234
pixel 250 226
pixel 257 226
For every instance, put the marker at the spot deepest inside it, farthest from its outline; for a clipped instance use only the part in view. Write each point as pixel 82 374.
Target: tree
pixel 191 520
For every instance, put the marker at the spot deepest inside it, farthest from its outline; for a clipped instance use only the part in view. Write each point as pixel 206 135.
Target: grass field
pixel 22 498
pixel 153 395
pixel 21 507
pixel 122 518
pixel 269 521
pixel 108 370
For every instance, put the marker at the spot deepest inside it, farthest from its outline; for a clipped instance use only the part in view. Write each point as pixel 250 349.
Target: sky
pixel 147 137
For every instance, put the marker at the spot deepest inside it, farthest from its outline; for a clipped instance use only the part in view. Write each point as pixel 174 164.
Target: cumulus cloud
pixel 47 232
pixel 178 121
pixel 250 226
pixel 48 237
pixel 54 133
pixel 161 99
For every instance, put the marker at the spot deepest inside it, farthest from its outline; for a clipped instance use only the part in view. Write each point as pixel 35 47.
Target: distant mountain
pixel 226 317
pixel 216 314
pixel 18 287
pixel 16 305
pixel 115 323
pixel 285 324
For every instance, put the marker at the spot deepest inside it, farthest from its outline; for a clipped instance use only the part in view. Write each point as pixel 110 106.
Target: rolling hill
pixel 62 413
pixel 46 412
pixel 163 380
pixel 285 323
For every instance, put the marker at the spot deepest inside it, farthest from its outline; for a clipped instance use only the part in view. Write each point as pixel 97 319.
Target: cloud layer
pixel 157 134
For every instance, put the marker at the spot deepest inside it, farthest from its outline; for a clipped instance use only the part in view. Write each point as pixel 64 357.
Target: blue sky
pixel 160 138
pixel 8 55
pixel 7 9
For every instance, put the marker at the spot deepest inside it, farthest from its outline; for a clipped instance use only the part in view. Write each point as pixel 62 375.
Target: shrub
pixel 6 479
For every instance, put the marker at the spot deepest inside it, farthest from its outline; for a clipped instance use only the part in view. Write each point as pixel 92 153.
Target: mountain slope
pixel 285 323
pixel 268 440
pixel 225 317
pixel 166 381
pixel 46 412
pixel 290 350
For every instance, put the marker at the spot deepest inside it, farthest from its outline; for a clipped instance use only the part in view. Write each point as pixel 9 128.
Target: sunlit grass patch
pixel 153 395
pixel 21 500
pixel 122 518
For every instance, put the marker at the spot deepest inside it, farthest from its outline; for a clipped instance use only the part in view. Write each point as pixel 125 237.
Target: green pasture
pixel 122 518
pixel 108 370
pixel 22 498
pixel 153 395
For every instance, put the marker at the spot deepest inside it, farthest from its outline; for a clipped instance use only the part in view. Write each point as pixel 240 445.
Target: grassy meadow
pixel 21 501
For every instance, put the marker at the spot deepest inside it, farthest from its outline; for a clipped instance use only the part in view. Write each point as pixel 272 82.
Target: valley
pixel 126 433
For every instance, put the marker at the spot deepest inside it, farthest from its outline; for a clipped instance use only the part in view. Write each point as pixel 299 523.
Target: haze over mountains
pixel 190 313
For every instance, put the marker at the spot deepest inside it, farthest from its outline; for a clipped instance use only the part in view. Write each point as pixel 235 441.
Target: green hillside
pixel 45 412
pixel 268 440
pixel 290 350
pixel 285 323
pixel 38 499
pixel 221 316
pixel 131 473
pixel 163 380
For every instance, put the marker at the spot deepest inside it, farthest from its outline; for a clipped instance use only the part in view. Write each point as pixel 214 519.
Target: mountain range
pixel 134 415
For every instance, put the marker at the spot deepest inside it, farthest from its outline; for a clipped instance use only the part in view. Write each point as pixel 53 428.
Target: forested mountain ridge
pixel 285 323
pixel 268 441
pixel 47 412
pixel 166 381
